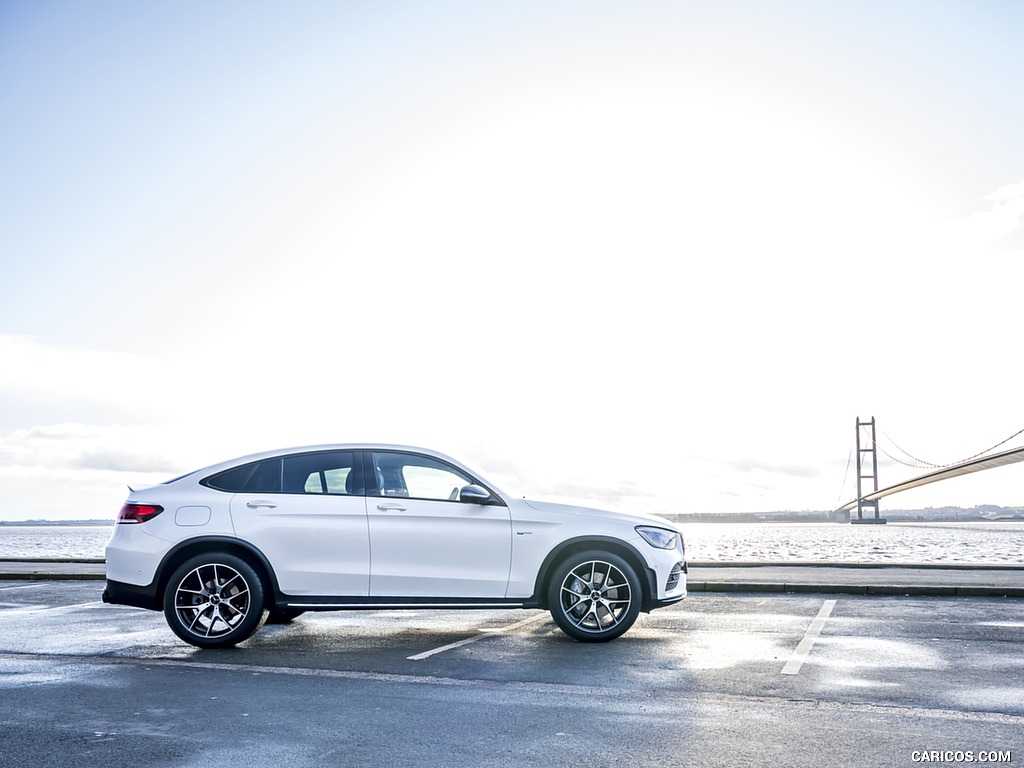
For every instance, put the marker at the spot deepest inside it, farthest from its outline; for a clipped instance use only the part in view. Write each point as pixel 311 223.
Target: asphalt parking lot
pixel 718 680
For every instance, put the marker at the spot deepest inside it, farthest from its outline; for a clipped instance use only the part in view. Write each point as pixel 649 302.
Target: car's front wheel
pixel 594 596
pixel 214 601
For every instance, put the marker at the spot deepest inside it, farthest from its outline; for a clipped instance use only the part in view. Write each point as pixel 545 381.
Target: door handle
pixel 258 504
pixel 391 507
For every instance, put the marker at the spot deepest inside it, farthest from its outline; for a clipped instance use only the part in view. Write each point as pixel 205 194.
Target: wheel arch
pixel 228 545
pixel 615 546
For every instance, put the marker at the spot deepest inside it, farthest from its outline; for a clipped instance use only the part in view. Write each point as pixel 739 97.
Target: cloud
pixel 117 460
pixel 1012 196
pixel 66 431
pixel 71 447
pixel 618 494
pixel 70 378
pixel 754 465
pixel 75 470
pixel 1001 214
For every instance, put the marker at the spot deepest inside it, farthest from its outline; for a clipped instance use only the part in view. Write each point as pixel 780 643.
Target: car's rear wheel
pixel 594 596
pixel 214 600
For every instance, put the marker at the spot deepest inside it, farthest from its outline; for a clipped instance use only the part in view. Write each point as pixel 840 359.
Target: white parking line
pixel 54 609
pixel 483 633
pixel 810 637
pixel 22 586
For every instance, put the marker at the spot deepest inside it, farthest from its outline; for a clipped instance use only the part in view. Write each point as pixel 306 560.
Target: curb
pixel 93 569
pixel 909 590
pixel 69 560
pixel 52 569
pixel 872 566
pixel 51 576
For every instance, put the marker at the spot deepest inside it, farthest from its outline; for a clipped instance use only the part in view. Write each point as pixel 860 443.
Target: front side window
pixel 417 477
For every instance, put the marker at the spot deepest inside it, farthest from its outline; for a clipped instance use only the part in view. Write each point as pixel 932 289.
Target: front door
pixel 424 541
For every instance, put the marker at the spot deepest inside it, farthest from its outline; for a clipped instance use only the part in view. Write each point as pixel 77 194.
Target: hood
pixel 569 509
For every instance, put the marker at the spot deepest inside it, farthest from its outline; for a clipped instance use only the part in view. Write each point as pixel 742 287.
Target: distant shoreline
pixel 987 513
pixel 37 523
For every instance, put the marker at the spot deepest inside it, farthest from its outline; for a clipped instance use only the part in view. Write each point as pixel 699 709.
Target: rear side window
pixel 261 477
pixel 327 472
pixel 266 478
pixel 230 480
pixel 330 472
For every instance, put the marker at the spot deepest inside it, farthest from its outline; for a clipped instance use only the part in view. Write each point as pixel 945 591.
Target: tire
pixel 594 596
pixel 214 600
pixel 283 617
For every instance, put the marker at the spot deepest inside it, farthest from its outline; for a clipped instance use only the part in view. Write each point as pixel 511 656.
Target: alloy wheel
pixel 212 600
pixel 595 596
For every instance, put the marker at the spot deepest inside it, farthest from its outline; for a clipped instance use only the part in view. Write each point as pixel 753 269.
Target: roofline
pixel 269 454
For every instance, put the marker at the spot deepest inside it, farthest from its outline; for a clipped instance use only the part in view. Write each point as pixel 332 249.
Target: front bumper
pixel 666 586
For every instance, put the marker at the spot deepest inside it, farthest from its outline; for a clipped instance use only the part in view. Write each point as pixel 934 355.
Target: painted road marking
pixel 483 633
pixel 809 639
pixel 55 609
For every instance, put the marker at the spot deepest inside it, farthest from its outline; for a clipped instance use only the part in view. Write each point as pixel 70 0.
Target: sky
pixel 651 256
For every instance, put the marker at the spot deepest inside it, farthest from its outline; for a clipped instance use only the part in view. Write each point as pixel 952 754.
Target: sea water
pixel 950 543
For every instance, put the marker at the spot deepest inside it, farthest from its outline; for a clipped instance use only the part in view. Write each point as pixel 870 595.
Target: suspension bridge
pixel 867 471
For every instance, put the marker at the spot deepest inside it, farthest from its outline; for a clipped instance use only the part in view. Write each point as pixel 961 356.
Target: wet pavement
pixel 720 679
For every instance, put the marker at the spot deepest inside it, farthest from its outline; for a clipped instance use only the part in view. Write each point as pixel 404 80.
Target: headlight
pixel 658 537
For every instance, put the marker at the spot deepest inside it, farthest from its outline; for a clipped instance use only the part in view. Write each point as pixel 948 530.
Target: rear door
pixel 307 514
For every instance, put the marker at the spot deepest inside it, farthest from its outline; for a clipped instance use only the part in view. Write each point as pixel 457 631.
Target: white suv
pixel 339 527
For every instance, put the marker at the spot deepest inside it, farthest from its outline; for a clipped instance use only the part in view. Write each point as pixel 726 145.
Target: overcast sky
pixel 651 255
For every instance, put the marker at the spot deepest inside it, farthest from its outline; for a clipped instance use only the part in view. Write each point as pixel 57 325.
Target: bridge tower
pixel 866 437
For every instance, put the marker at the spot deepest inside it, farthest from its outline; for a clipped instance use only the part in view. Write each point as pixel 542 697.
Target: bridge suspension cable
pixel 922 464
pixel 980 461
pixel 846 475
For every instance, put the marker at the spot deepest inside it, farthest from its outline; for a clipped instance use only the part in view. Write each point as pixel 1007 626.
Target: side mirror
pixel 474 494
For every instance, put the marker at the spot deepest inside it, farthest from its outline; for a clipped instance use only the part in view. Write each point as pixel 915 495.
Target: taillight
pixel 138 513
